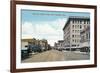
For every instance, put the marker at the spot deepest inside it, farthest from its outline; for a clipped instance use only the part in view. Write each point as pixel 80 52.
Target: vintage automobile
pixel 36 48
pixel 24 53
pixel 27 51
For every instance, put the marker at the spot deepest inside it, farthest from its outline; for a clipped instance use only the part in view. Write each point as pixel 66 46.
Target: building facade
pixel 59 45
pixel 72 29
pixel 43 44
pixel 85 39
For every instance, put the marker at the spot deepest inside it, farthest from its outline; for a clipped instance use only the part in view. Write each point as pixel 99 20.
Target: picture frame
pixel 16 36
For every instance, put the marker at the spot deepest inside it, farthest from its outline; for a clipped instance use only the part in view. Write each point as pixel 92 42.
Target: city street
pixel 55 55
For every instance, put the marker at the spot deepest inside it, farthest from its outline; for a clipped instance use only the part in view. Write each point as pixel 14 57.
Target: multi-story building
pixel 72 29
pixel 85 39
pixel 59 45
pixel 44 44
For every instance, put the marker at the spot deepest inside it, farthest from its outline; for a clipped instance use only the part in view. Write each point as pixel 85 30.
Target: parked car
pixel 36 48
pixel 24 53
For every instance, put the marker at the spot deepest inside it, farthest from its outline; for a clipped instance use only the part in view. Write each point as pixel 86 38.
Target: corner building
pixel 72 29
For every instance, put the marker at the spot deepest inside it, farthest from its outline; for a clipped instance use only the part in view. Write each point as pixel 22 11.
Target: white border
pixel 51 64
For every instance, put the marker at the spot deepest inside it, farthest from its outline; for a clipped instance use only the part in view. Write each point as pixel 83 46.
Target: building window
pixel 75 40
pixel 78 40
pixel 78 31
pixel 77 26
pixel 73 26
pixel 86 36
pixel 82 38
pixel 80 22
pixel 73 22
pixel 80 26
pixel 89 35
pixel 75 35
pixel 72 35
pixel 77 22
pixel 73 30
pixel 84 22
pixel 88 22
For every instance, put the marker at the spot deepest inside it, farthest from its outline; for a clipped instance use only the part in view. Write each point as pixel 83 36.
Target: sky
pixel 45 24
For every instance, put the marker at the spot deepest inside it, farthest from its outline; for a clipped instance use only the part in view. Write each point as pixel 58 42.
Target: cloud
pixel 50 30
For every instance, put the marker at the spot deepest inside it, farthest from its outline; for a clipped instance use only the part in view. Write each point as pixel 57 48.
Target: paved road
pixel 75 56
pixel 54 55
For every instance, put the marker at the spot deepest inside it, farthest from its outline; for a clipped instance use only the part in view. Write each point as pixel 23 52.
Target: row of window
pixel 75 40
pixel 74 27
pixel 77 26
pixel 85 37
pixel 75 36
pixel 80 22
pixel 76 31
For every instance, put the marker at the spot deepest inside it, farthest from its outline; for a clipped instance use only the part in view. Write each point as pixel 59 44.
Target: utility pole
pixel 70 44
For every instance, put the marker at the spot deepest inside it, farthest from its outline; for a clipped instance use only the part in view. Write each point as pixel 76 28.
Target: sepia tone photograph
pixel 50 36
